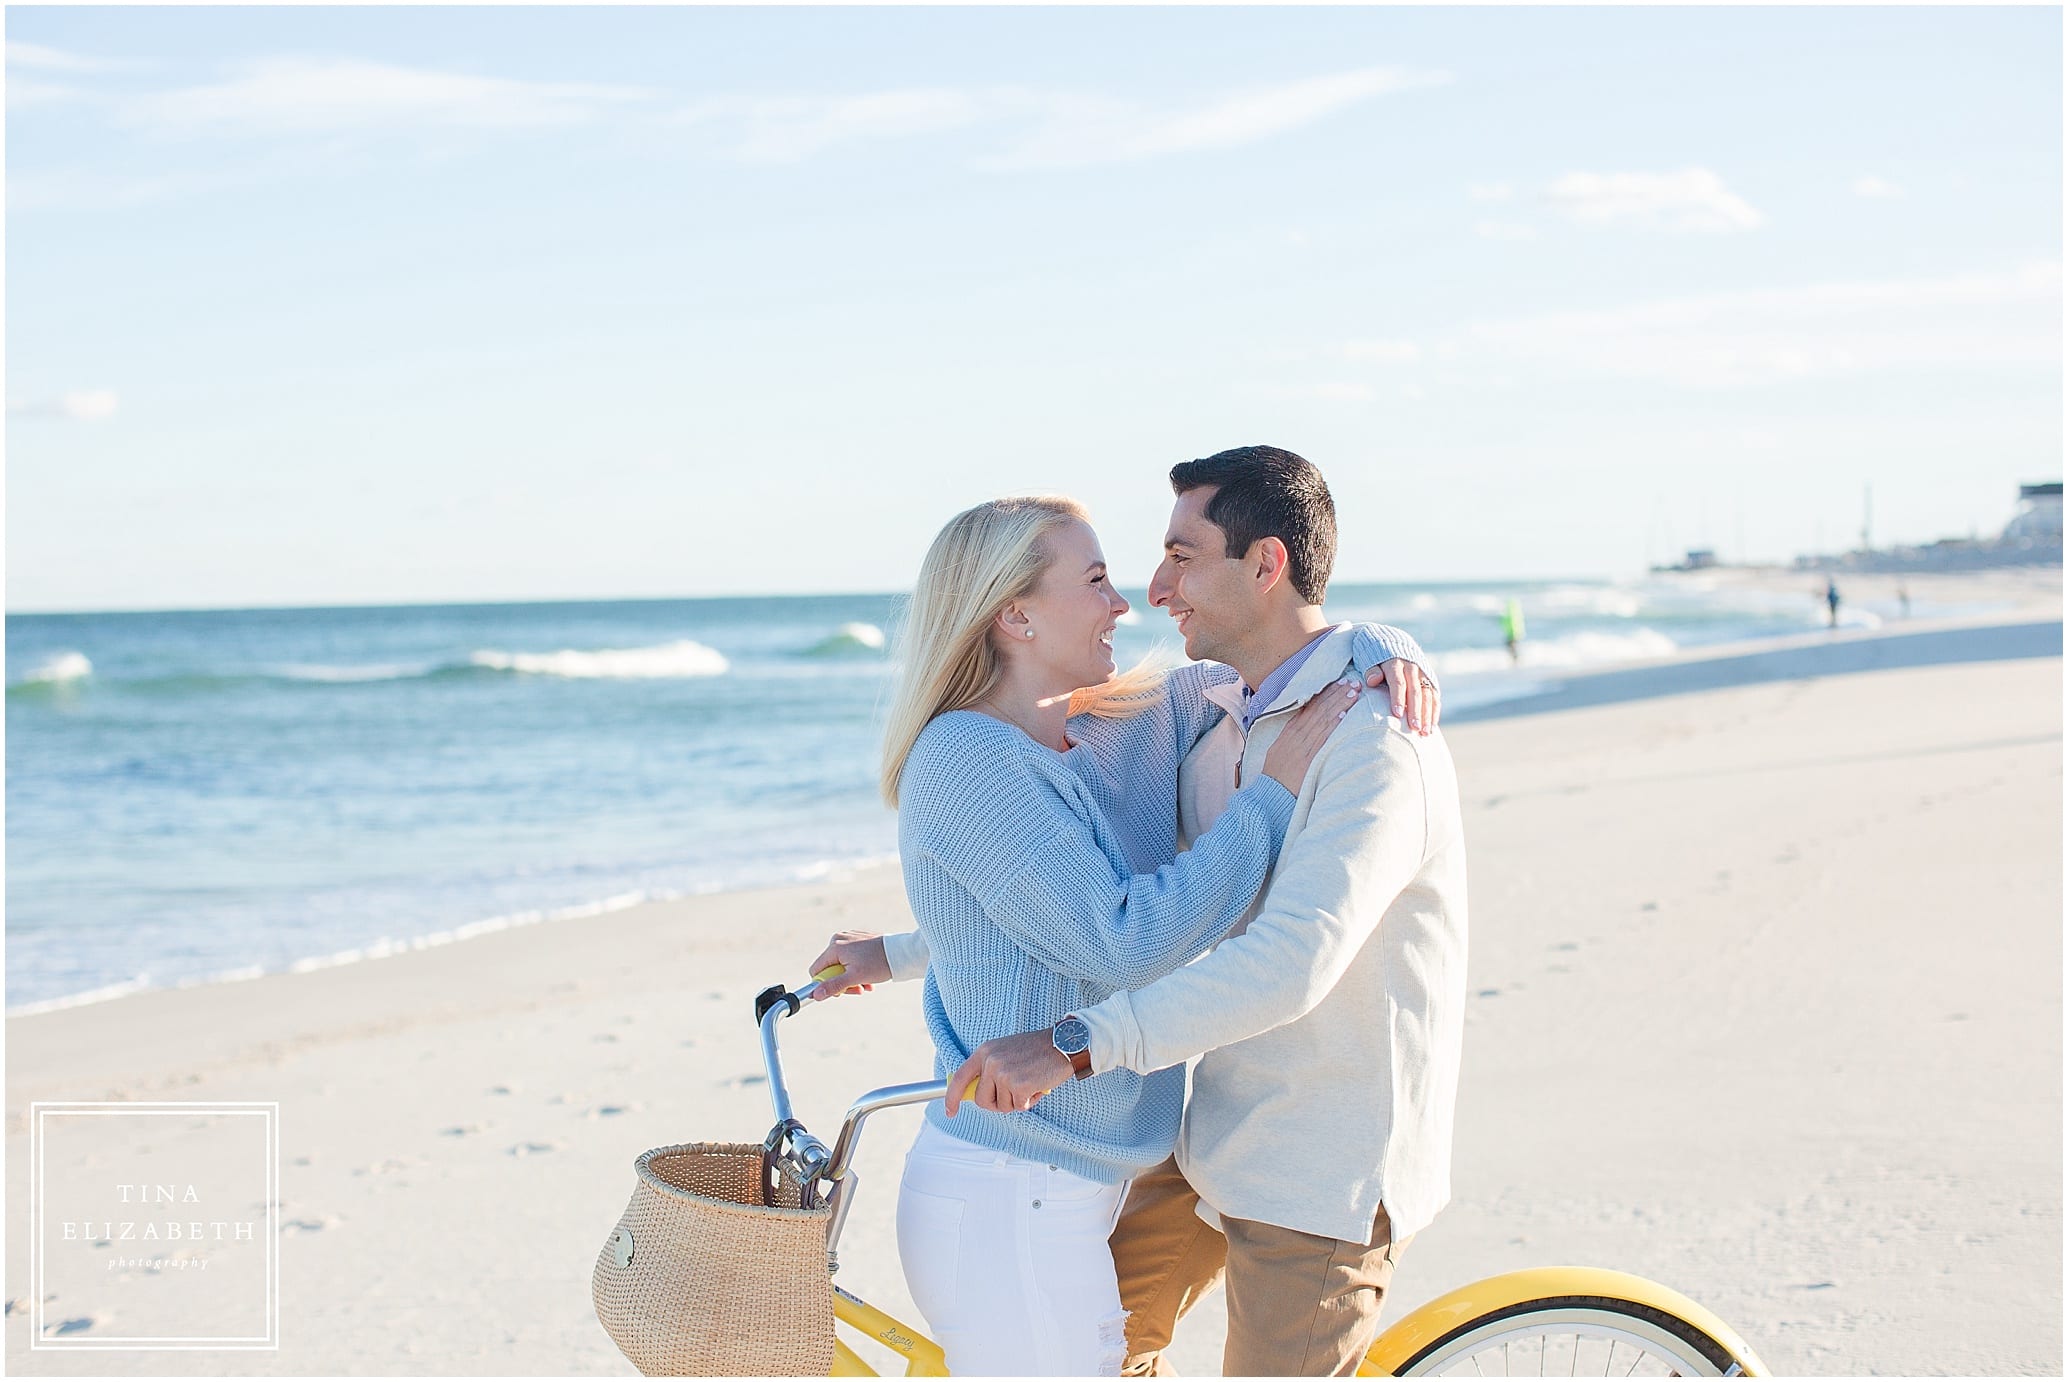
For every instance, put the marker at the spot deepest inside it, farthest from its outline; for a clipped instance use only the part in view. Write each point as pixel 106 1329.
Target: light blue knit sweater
pixel 1045 881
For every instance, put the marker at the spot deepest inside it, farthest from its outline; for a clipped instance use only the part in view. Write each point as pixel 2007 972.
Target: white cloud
pixel 1384 352
pixel 1730 340
pixel 80 405
pixel 784 130
pixel 1490 192
pixel 1325 391
pixel 1076 130
pixel 339 94
pixel 23 93
pixel 1503 230
pixel 1691 199
pixel 39 58
pixel 1871 186
pixel 1046 128
pixel 76 190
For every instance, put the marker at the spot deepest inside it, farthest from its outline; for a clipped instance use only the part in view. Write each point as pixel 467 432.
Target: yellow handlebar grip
pixel 970 1094
pixel 832 971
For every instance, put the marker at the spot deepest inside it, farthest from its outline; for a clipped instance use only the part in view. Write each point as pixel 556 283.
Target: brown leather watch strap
pixel 1080 1065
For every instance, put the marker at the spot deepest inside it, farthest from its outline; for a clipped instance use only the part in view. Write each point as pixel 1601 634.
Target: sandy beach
pixel 1766 1004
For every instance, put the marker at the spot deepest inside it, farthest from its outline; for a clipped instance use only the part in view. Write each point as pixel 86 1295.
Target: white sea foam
pixel 1133 616
pixel 683 658
pixel 60 668
pixel 391 945
pixel 821 870
pixel 1572 650
pixel 74 1000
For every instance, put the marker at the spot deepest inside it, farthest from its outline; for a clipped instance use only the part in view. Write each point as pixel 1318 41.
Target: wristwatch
pixel 1073 1038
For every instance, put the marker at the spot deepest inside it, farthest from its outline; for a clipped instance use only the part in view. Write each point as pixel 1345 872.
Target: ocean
pixel 196 796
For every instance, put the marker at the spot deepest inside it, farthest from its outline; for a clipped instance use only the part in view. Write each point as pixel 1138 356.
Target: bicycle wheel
pixel 1561 1322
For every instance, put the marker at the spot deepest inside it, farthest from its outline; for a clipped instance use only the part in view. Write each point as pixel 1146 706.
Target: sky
pixel 387 305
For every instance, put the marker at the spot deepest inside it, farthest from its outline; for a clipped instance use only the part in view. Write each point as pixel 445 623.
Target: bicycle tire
pixel 1684 1347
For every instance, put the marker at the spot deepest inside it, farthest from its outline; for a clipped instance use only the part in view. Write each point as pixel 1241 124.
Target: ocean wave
pixel 56 670
pixel 372 671
pixel 849 640
pixel 683 658
pixel 1572 650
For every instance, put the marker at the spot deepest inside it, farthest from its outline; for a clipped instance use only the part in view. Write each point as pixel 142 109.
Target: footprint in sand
pixel 1566 945
pixel 606 1036
pixel 463 1129
pixel 311 1225
pixel 1489 993
pixel 742 1081
pixel 533 1148
pixel 388 1167
pixel 78 1324
pixel 612 1110
pixel 510 1087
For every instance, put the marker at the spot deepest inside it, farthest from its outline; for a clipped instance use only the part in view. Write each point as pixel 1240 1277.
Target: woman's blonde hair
pixel 983 560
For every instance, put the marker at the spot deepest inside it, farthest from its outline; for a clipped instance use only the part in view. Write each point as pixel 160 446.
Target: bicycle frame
pixel 812 1162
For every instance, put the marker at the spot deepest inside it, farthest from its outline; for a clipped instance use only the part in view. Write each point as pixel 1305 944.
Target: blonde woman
pixel 1040 860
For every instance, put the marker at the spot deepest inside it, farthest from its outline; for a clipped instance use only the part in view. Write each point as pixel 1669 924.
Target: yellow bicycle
pixel 1547 1321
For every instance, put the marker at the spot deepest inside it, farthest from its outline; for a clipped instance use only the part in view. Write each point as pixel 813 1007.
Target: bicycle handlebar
pixel 807 1158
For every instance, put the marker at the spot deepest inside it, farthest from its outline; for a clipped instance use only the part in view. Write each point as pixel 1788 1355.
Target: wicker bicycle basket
pixel 701 1279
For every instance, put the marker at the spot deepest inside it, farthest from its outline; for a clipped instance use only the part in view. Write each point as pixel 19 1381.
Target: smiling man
pixel 1328 1028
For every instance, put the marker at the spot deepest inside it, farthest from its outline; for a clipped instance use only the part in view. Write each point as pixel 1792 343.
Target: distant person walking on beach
pixel 1512 630
pixel 1831 598
pixel 1041 859
pixel 1903 596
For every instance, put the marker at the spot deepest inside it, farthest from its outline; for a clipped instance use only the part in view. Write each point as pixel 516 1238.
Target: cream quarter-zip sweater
pixel 1329 1026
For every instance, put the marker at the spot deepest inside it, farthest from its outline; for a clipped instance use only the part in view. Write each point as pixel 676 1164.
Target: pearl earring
pixel 1030 633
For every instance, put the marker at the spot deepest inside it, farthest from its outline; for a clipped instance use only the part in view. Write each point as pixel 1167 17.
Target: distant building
pixel 1700 559
pixel 2039 515
pixel 2031 538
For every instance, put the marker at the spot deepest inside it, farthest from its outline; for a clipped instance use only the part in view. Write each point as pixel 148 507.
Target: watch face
pixel 1072 1036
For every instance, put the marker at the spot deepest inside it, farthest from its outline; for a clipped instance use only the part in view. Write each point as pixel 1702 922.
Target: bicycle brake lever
pixel 769 997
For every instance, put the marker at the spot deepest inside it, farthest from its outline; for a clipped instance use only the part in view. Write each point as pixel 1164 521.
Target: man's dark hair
pixel 1266 492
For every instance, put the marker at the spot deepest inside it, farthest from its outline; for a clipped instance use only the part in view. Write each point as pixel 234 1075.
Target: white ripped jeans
pixel 1009 1262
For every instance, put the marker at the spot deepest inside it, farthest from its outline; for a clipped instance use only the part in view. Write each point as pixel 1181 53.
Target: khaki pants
pixel 1299 1305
